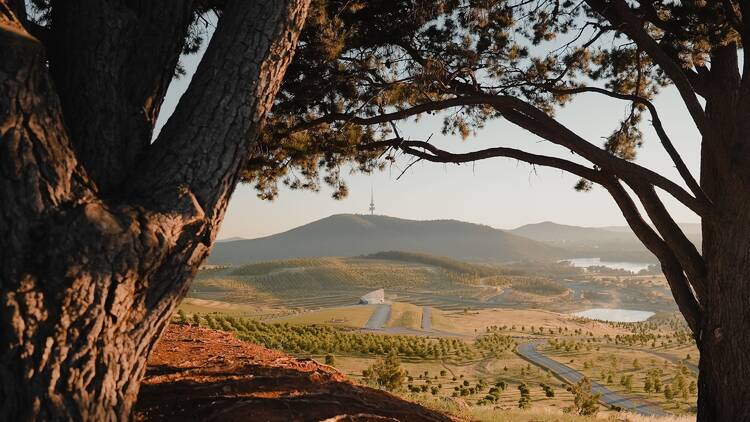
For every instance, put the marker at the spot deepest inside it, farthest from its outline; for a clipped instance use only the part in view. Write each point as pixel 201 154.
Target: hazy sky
pixel 499 192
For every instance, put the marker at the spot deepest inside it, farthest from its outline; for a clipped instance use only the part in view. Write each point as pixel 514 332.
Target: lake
pixel 615 315
pixel 622 265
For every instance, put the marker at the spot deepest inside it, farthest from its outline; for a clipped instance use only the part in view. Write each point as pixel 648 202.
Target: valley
pixel 463 329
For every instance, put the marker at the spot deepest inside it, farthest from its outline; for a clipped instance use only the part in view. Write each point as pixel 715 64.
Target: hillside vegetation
pixel 351 235
pixel 418 278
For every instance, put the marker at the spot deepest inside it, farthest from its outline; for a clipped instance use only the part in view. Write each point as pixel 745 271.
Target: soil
pixel 198 374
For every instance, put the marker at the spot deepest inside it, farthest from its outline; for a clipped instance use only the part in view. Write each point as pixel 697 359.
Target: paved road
pixel 609 397
pixel 426 318
pixel 379 317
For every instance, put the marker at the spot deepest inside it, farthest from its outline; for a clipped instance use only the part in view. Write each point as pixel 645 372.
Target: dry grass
pixel 405 315
pixel 476 321
pixel 204 306
pixel 346 316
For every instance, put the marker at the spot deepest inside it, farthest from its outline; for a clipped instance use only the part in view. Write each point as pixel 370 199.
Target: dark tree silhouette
pixel 101 229
pixel 361 67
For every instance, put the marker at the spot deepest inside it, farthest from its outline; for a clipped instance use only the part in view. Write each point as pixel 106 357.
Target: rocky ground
pixel 197 374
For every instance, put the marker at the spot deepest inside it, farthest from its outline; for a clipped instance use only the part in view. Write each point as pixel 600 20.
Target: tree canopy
pixel 362 66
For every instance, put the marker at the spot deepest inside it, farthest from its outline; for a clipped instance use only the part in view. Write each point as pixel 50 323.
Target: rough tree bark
pixel 724 341
pixel 95 255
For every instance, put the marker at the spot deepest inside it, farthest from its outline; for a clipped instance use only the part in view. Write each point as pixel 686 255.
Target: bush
pixel 585 403
pixel 386 373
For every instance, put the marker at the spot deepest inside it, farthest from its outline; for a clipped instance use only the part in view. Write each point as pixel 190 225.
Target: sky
pixel 499 192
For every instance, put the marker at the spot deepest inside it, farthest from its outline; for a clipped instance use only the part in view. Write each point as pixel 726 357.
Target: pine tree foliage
pixel 361 67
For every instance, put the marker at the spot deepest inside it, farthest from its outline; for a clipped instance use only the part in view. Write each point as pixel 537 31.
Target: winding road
pixel 570 375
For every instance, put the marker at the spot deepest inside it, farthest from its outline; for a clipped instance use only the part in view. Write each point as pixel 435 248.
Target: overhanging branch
pixel 429 152
pixel 658 126
pixel 538 122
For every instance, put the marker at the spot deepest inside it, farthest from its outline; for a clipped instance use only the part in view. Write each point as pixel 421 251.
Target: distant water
pixel 618 265
pixel 615 315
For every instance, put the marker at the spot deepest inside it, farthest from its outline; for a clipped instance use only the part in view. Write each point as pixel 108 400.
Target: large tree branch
pixel 671 267
pixel 619 14
pixel 684 250
pixel 538 122
pixel 666 142
pixel 112 62
pixel 196 159
pixel 429 152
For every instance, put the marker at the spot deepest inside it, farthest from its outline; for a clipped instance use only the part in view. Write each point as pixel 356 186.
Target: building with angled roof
pixel 374 297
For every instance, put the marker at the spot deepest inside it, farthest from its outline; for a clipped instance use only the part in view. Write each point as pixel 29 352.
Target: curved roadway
pixel 570 375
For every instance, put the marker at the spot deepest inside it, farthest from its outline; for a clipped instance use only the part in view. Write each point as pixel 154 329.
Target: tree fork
pixel 88 283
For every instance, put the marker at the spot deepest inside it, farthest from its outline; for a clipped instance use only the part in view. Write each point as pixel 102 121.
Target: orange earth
pixel 197 374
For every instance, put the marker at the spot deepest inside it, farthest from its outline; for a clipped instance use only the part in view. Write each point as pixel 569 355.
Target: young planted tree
pixel 362 67
pixel 102 227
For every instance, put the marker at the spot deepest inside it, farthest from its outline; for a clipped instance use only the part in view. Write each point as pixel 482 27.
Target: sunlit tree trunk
pixel 90 272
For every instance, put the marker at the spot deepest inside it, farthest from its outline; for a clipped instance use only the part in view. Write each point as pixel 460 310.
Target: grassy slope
pixel 326 282
pixel 349 316
pixel 405 315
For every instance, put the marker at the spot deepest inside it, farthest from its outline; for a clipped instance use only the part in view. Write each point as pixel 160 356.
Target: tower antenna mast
pixel 372 202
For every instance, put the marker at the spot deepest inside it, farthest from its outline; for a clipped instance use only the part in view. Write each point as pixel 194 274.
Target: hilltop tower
pixel 372 202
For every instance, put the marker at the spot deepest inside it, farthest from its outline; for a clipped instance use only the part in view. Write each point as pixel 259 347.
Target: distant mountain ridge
pixel 353 235
pixel 548 231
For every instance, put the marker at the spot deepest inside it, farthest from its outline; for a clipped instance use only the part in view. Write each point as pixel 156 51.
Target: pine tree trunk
pixel 724 343
pixel 723 391
pixel 90 273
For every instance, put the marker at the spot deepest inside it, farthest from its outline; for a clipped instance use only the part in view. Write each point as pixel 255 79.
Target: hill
pixel 548 231
pixel 417 278
pixel 552 232
pixel 614 243
pixel 197 374
pixel 352 235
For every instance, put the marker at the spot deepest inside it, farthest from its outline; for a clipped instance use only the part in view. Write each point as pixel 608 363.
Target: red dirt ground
pixel 197 374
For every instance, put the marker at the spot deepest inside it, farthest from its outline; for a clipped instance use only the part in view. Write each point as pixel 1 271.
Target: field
pixel 345 316
pixel 425 280
pixel 472 352
pixel 476 316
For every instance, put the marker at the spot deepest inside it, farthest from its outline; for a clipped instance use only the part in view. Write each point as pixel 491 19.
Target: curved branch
pixel 434 154
pixel 687 176
pixel 538 122
pixel 671 267
pixel 685 251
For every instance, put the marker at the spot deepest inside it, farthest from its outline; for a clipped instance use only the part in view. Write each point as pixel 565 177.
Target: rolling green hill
pixel 329 281
pixel 350 235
